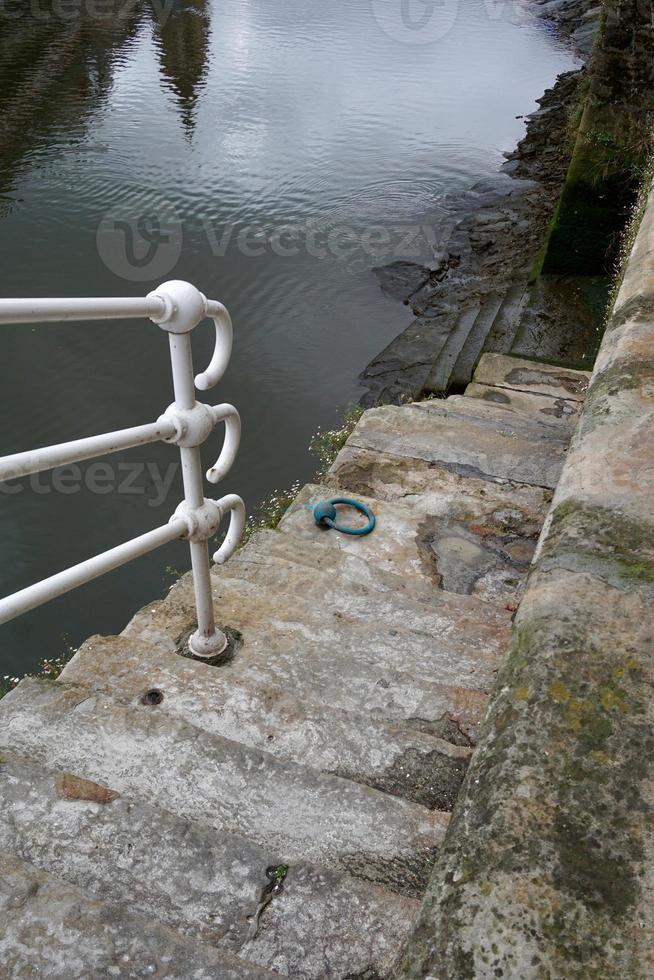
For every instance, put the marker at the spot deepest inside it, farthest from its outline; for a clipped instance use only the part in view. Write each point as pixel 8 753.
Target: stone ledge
pixel 548 866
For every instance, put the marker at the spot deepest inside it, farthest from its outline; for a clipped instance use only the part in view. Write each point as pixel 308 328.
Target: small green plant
pixel 327 445
pixel 270 512
pixel 600 138
pixel 629 236
pixel 172 573
pixel 7 684
pixel 53 668
pixel 50 668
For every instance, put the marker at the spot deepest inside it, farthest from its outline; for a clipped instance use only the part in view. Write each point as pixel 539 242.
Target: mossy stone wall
pixel 548 866
pixel 613 144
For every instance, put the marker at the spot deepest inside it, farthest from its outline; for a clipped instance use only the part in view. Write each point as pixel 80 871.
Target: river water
pixel 271 153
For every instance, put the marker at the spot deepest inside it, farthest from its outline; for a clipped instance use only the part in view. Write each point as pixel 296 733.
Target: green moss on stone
pixel 603 536
pixel 609 883
pixel 618 377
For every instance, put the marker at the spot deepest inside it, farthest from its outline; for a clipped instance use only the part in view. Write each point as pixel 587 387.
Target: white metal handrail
pixel 177 307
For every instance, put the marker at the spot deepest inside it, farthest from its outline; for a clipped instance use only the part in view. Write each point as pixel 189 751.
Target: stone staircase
pixel 145 794
pixel 438 354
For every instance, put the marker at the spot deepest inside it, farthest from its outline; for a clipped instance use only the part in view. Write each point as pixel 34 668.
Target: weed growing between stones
pixel 172 574
pixel 629 234
pixel 7 684
pixel 48 668
pixel 327 445
pixel 269 513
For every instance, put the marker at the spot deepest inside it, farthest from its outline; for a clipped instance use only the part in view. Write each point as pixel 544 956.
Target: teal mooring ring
pixel 324 514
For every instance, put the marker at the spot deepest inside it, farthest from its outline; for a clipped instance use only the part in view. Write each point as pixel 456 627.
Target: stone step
pixel 204 885
pixel 471 350
pixel 438 378
pixel 525 419
pixel 284 807
pixel 562 413
pixel 53 930
pixel 520 413
pixel 349 666
pixel 421 594
pixel 503 331
pixel 402 368
pixel 467 446
pixel 324 557
pixel 335 560
pixel 460 630
pixel 516 422
pixel 344 652
pixel 454 556
pixel 422 485
pixel 395 757
pixel 532 376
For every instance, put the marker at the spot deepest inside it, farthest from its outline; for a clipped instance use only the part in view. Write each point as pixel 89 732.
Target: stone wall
pixel 613 144
pixel 548 866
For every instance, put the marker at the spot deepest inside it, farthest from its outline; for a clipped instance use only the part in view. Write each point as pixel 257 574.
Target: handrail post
pixel 185 308
pixel 177 307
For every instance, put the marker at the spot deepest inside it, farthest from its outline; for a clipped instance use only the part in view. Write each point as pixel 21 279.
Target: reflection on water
pixel 270 153
pixel 182 40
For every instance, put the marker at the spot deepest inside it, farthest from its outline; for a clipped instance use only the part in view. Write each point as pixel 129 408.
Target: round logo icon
pixel 140 246
pixel 416 21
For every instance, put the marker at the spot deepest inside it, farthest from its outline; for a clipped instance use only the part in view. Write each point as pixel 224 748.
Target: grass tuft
pixel 49 668
pixel 327 445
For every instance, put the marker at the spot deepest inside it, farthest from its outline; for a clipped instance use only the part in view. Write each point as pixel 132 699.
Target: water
pixel 234 113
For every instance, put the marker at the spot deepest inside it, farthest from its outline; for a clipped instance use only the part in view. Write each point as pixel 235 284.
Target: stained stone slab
pixel 434 490
pixel 287 808
pixel 562 413
pixel 443 365
pixel 416 588
pixel 479 557
pixel 386 674
pixel 535 376
pixel 337 564
pixel 53 930
pixel 562 778
pixel 343 650
pixel 465 362
pixel 396 757
pixel 467 446
pixel 492 416
pixel 401 370
pixel 202 884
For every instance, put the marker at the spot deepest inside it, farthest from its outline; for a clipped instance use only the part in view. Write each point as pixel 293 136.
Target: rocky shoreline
pixel 472 296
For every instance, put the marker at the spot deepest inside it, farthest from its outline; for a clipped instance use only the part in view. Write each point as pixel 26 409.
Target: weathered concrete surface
pixel 548 867
pixel 53 930
pixel 421 483
pixel 395 756
pixel 532 376
pixel 481 448
pixel 203 884
pixel 358 650
pixel 559 412
pixel 290 809
pixel 332 738
pixel 461 557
